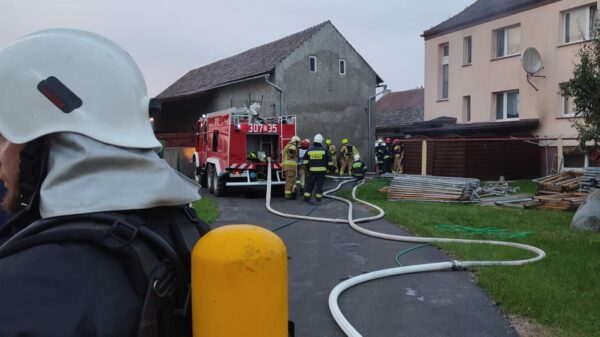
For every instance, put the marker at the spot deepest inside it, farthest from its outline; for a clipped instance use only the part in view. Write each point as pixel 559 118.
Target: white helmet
pixel 295 140
pixel 318 139
pixel 65 80
pixel 357 157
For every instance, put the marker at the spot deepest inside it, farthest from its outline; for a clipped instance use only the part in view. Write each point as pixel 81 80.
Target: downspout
pixel 370 140
pixel 280 94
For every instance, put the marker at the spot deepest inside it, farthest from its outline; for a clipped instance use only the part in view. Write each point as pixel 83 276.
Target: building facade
pixel 473 69
pixel 315 75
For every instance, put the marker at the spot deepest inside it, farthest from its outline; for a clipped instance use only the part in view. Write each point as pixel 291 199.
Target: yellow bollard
pixel 239 283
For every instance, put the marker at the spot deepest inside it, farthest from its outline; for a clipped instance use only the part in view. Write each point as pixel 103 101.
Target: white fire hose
pixel 337 314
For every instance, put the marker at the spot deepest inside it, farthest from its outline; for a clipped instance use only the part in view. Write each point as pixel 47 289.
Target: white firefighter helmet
pixel 318 139
pixel 65 80
pixel 356 157
pixel 295 140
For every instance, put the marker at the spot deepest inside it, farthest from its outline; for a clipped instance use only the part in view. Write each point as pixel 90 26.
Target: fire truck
pixel 232 147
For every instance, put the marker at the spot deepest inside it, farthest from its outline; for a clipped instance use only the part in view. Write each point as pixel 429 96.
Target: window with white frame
pixel 312 64
pixel 508 41
pixel 567 106
pixel 579 24
pixel 576 159
pixel 507 105
pixel 342 67
pixel 467 50
pixel 444 70
pixel 467 108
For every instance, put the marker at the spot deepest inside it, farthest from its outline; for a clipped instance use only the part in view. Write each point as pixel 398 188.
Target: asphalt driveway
pixel 321 254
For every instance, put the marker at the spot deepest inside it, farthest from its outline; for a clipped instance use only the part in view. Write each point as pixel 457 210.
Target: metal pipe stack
pixel 432 188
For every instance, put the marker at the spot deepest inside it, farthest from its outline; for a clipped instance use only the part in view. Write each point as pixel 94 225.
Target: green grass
pixel 525 186
pixel 207 209
pixel 560 292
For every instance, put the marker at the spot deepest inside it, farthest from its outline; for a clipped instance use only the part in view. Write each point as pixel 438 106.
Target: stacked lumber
pixel 432 188
pixel 562 201
pixel 564 182
pixel 590 180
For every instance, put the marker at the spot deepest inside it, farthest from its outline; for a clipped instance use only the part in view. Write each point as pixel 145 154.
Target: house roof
pixel 400 108
pixel 482 11
pixel 253 62
pixel 448 125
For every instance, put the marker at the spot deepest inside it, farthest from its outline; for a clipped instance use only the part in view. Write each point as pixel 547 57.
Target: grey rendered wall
pixel 237 96
pixel 326 102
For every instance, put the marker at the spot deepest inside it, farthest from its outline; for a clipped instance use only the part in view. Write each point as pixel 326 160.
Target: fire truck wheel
pixel 201 179
pixel 219 186
pixel 210 172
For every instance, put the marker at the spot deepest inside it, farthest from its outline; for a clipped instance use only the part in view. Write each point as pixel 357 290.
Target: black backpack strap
pixel 154 267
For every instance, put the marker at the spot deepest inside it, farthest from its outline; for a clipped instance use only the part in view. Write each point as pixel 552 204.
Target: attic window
pixel 312 64
pixel 342 67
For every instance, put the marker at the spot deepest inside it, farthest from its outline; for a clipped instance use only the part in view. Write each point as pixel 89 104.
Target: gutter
pixel 280 93
pixel 370 138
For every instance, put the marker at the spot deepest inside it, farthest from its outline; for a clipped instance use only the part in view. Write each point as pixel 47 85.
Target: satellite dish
pixel 531 60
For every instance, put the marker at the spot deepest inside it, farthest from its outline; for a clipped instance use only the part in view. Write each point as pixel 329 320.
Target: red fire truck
pixel 232 147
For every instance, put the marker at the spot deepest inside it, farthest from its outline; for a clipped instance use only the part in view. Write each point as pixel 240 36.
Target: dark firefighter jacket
pixel 317 159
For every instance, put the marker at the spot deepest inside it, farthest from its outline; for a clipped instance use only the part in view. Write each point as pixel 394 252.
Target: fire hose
pixel 337 314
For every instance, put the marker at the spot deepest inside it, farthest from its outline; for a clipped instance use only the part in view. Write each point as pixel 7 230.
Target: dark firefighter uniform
pixel 316 160
pixel 359 168
pixel 388 157
pixel 379 154
pixel 290 162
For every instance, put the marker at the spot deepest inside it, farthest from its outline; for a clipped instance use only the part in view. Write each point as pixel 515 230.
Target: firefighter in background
pixel 346 153
pixel 290 165
pixel 301 178
pixel 379 154
pixel 333 153
pixel 316 160
pixel 398 157
pixel 388 154
pixel 359 168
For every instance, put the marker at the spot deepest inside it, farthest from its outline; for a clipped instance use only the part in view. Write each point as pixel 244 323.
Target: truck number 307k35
pixel 259 128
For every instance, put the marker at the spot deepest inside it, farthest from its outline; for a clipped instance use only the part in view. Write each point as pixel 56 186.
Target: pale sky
pixel 169 38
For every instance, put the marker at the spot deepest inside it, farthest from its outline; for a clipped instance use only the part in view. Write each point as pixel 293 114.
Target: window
pixel 215 141
pixel 468 50
pixel 579 24
pixel 507 105
pixel 576 159
pixel 312 64
pixel 508 41
pixel 568 106
pixel 467 108
pixel 342 67
pixel 445 64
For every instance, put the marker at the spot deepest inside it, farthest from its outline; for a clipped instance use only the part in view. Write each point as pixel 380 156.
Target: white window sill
pixel 467 65
pixel 442 100
pixel 505 57
pixel 567 116
pixel 572 43
pixel 507 120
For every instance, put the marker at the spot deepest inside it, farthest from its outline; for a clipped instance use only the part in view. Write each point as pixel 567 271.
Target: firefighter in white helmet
pixel 78 157
pixel 290 166
pixel 317 161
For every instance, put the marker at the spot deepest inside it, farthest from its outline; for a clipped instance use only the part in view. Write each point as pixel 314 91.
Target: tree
pixel 584 89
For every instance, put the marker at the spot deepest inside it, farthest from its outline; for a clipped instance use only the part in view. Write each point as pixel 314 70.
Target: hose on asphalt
pixel 336 312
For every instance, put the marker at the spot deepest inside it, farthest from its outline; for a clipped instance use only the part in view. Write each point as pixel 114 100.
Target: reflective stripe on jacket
pixel 290 155
pixel 359 168
pixel 317 159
